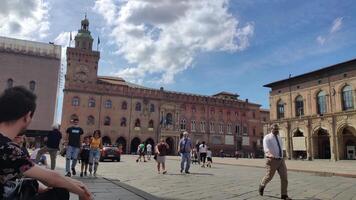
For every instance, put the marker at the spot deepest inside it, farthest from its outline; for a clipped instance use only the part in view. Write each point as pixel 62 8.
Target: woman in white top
pixel 202 150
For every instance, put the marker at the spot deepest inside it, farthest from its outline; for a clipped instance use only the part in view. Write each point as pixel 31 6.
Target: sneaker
pixel 137 160
pixel 181 171
pixel 74 172
pixel 164 172
pixel 94 174
pixel 81 174
pixel 187 172
pixel 285 197
pixel 85 173
pixel 68 174
pixel 261 189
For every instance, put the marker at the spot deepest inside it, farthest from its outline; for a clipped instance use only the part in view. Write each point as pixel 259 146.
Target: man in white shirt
pixel 149 151
pixel 272 146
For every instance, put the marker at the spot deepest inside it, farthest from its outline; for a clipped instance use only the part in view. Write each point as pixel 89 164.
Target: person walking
pixel 197 145
pixel 161 152
pixel 84 156
pixel 18 105
pixel 52 147
pixel 95 145
pixel 73 142
pixel 273 149
pixel 149 151
pixel 184 148
pixel 141 152
pixel 209 156
pixel 202 150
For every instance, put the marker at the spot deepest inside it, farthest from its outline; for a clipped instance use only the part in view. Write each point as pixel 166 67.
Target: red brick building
pixel 128 114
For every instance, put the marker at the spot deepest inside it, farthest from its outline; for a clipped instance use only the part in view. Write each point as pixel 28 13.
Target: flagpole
pixel 70 38
pixel 97 46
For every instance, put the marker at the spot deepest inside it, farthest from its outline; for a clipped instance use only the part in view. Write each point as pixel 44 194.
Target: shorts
pixel 142 153
pixel 209 159
pixel 85 160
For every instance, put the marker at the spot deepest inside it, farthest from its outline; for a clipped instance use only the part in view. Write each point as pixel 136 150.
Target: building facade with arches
pixel 128 114
pixel 316 112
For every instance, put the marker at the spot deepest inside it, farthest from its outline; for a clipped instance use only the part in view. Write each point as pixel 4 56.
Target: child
pixel 209 157
pixel 84 155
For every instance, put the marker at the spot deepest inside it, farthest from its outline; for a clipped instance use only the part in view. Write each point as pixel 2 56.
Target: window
pixel 193 125
pixel 75 101
pixel 152 108
pixel 73 117
pixel 193 109
pixel 108 104
pixel 211 127
pixel 150 124
pixel 32 86
pixel 280 109
pixel 123 122
pixel 182 124
pixel 221 128
pixel 10 83
pixel 244 131
pixel 137 123
pixel 299 106
pixel 138 106
pixel 237 129
pixel 91 103
pixel 107 121
pixel 90 120
pixel 202 126
pixel 347 98
pixel 321 102
pixel 169 120
pixel 229 128
pixel 124 105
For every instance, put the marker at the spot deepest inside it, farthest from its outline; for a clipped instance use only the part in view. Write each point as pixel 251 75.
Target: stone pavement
pixel 344 168
pixel 223 181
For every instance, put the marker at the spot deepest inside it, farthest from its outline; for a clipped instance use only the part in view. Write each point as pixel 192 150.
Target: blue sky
pixel 198 46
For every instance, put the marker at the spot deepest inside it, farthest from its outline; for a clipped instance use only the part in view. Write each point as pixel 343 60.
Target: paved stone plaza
pixel 219 182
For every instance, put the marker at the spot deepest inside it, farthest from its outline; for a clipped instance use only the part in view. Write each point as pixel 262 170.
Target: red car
pixel 112 153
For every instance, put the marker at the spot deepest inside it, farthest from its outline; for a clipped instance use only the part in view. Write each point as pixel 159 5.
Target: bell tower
pixel 82 61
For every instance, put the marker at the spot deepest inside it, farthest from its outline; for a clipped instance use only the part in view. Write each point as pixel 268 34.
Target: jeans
pixel 185 158
pixel 53 194
pixel 52 153
pixel 72 153
pixel 94 157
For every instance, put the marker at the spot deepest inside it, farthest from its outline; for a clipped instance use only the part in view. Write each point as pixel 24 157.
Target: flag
pixel 70 38
pixel 98 40
pixel 97 46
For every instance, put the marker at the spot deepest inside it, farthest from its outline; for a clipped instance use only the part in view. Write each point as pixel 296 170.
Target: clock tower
pixel 82 61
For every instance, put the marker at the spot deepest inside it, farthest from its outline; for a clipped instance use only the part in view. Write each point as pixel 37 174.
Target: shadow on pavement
pixel 274 197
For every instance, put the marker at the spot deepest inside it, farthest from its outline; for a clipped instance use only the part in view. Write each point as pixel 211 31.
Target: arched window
pixel 10 83
pixel 202 126
pixel 91 103
pixel 124 105
pixel 212 130
pixel 90 120
pixel 32 86
pixel 150 124
pixel 75 101
pixel 229 128
pixel 137 123
pixel 280 109
pixel 347 98
pixel 73 117
pixel 169 119
pixel 123 122
pixel 108 104
pixel 107 121
pixel 299 106
pixel 182 124
pixel 138 106
pixel 152 108
pixel 193 125
pixel 221 128
pixel 321 102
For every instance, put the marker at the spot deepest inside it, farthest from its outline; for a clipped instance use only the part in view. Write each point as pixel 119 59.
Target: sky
pixel 196 46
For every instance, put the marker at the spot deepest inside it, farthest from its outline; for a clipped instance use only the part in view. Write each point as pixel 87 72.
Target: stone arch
pixel 321 143
pixel 346 142
pixel 106 140
pixel 299 145
pixel 121 143
pixel 134 144
pixel 170 142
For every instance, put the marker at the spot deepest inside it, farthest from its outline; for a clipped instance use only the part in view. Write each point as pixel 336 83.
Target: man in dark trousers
pixel 52 147
pixel 73 141
pixel 273 149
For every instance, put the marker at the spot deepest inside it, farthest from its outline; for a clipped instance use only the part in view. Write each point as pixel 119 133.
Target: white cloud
pixel 335 27
pixel 26 19
pixel 161 38
pixel 337 23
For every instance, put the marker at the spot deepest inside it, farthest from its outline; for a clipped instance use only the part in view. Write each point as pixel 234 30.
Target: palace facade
pixel 128 114
pixel 316 112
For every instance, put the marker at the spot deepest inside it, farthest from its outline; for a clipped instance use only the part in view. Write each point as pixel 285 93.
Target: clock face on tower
pixel 81 73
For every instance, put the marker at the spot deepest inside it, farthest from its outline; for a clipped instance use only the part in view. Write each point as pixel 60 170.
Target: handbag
pixel 20 189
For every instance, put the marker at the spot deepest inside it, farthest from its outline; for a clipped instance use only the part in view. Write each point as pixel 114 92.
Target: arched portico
pixel 321 144
pixel 134 144
pixel 121 143
pixel 346 142
pixel 299 145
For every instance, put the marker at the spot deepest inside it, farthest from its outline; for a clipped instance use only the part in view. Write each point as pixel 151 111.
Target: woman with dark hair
pixel 95 145
pixel 203 150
